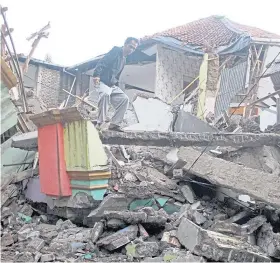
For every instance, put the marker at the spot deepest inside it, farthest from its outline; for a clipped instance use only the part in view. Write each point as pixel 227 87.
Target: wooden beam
pixel 264 98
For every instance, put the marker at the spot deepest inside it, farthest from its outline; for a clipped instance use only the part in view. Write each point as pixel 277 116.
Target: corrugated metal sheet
pixel 232 82
pixel 8 110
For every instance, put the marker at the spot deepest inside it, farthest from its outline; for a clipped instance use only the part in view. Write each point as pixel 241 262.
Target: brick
pixel 216 246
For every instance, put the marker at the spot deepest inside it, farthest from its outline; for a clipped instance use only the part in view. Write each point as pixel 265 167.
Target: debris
pixel 197 217
pixel 112 202
pixel 26 219
pixel 227 174
pixel 120 238
pixel 96 231
pixel 188 193
pixel 74 246
pixel 171 238
pixel 143 233
pixel 36 244
pixel 47 257
pixel 269 241
pixel 26 210
pixel 178 173
pixel 115 223
pixel 127 216
pixel 7 240
pixel 142 250
pixel 216 246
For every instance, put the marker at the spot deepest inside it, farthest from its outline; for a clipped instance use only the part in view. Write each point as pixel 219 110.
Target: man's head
pixel 130 44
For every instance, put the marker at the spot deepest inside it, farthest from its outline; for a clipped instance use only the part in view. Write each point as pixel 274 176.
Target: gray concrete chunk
pixel 188 193
pixel 216 246
pixel 120 238
pixel 269 241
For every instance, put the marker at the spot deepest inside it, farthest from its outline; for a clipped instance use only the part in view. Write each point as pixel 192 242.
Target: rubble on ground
pixel 151 213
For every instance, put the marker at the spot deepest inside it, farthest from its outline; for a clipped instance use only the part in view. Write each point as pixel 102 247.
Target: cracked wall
pixel 172 69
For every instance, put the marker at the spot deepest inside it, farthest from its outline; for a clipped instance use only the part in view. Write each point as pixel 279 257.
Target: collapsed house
pixel 192 188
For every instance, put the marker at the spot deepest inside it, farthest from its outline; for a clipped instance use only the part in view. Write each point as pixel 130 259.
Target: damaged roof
pixel 213 31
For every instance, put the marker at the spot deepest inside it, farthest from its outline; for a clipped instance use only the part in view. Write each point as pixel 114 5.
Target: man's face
pixel 129 48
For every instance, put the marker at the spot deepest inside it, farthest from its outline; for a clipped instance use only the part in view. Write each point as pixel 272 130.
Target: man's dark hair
pixel 130 39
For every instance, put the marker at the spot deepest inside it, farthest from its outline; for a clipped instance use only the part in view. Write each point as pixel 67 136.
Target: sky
pixel 84 29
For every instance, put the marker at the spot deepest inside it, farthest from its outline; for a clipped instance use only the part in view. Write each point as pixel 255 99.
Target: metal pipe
pixel 25 106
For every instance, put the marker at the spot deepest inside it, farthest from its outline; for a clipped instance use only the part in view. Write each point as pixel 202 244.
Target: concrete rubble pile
pixel 163 204
pixel 156 209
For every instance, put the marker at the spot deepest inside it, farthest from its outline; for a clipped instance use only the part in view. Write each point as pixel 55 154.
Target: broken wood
pixel 80 99
pixel 40 34
pixel 257 184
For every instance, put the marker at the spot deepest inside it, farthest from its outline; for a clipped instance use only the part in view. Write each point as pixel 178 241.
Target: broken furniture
pixel 72 158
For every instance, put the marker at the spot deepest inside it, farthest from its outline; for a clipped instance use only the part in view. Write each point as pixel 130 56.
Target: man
pixel 106 77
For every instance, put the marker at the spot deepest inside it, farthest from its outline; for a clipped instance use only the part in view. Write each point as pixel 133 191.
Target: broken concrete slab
pixel 176 139
pixel 112 202
pixel 26 141
pixel 96 231
pixel 243 230
pixel 127 216
pixel 119 239
pixel 269 241
pixel 237 177
pixel 216 246
pixel 169 139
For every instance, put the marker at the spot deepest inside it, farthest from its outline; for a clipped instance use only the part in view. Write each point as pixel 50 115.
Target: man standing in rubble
pixel 106 77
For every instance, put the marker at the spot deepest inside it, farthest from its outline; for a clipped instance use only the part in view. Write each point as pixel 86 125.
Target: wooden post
pixel 278 110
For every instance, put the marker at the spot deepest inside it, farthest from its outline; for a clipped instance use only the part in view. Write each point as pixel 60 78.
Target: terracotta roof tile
pixel 210 32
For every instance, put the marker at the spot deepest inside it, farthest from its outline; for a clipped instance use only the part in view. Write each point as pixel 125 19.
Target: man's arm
pixel 105 61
